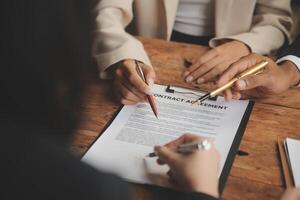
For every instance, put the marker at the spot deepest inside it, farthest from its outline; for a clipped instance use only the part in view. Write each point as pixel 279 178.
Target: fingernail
pixel 189 79
pixel 200 80
pixel 241 84
pixel 186 73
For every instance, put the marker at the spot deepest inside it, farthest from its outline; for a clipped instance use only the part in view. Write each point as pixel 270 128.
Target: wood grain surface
pixel 255 176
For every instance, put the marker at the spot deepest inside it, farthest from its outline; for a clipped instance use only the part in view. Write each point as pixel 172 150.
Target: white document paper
pixel 293 154
pixel 123 147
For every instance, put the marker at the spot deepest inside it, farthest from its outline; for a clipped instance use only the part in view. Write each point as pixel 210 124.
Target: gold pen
pixel 256 69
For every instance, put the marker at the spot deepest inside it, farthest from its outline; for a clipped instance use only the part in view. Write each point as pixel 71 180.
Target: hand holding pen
pixel 197 171
pixel 150 98
pixel 129 88
pixel 276 78
pixel 187 148
pixel 249 70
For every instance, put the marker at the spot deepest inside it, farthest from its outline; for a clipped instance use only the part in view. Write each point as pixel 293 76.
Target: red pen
pixel 150 98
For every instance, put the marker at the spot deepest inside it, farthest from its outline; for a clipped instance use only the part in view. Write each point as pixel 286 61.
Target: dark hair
pixel 44 46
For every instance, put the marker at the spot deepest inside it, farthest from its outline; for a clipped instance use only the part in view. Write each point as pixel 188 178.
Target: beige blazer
pixel 261 24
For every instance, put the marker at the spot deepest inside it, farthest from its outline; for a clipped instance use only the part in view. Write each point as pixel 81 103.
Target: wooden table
pixel 256 176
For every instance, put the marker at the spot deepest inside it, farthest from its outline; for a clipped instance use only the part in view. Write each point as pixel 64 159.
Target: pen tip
pixel 204 97
pixel 195 101
pixel 150 155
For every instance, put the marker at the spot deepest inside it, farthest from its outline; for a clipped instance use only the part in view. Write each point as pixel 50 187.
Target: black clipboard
pixel 230 157
pixel 235 146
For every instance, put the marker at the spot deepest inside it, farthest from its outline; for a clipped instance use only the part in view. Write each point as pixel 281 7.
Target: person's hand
pixel 215 61
pixel 129 87
pixel 291 194
pixel 273 80
pixel 194 172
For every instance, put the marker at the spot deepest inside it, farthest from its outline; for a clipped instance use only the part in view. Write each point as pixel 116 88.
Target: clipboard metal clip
pixel 187 91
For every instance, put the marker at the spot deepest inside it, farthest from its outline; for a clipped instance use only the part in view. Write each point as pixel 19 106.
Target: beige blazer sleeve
pixel 272 23
pixel 111 42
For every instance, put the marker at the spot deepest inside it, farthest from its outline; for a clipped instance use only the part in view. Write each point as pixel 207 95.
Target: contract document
pixel 123 146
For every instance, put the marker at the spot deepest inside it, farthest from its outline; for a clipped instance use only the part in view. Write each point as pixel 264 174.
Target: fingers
pixel 125 92
pixel 239 66
pixel 173 181
pixel 215 61
pixel 135 79
pixel 251 81
pixel 160 162
pixel 129 94
pixel 216 70
pixel 170 174
pixel 203 59
pixel 248 94
pixel 202 69
pixel 149 74
pixel 227 95
pixel 123 100
pixel 194 70
pixel 130 88
pixel 185 138
pixel 172 178
pixel 166 155
pixel 236 95
pixel 231 94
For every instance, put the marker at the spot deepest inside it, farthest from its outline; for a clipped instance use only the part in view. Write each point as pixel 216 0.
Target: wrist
pixel 213 193
pixel 242 46
pixel 291 72
pixel 207 188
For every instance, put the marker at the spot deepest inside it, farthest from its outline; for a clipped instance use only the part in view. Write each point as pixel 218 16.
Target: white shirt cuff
pixel 293 59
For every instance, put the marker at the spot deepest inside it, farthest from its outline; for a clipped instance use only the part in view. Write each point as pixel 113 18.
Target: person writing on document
pixel 232 29
pixel 276 78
